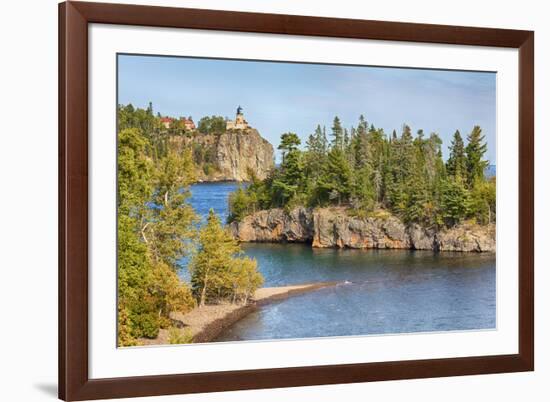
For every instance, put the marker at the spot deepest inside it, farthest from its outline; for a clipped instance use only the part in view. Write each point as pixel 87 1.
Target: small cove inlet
pixel 378 291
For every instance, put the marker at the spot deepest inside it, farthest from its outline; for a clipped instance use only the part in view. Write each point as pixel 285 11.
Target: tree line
pixel 367 171
pixel 157 227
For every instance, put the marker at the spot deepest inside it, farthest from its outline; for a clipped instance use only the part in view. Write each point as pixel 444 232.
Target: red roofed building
pixel 166 121
pixel 188 123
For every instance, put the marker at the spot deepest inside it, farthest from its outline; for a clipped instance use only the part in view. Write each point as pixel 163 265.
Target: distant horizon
pixel 431 100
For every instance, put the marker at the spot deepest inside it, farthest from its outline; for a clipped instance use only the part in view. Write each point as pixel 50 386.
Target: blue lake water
pixel 381 291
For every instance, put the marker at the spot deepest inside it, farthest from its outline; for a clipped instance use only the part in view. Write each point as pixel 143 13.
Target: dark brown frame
pixel 74 17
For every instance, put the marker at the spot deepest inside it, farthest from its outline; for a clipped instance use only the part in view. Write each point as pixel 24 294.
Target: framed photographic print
pixel 260 200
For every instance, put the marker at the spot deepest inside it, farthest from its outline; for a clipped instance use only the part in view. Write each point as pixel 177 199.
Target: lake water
pixel 380 291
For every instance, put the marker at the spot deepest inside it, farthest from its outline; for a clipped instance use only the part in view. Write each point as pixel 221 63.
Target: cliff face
pixel 333 228
pixel 229 156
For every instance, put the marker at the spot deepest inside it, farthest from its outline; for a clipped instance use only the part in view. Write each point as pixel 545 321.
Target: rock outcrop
pixel 326 227
pixel 275 226
pixel 230 156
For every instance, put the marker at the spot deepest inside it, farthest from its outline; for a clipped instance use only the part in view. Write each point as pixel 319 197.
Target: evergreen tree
pixel 336 183
pixel 315 162
pixel 289 179
pixel 337 134
pixel 358 146
pixel 404 175
pixel 417 184
pixel 289 142
pixel 454 201
pixel 456 164
pixel 475 151
pixel 364 192
pixel 317 142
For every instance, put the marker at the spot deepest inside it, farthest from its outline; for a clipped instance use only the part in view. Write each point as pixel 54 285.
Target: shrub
pixel 148 325
pixel 178 336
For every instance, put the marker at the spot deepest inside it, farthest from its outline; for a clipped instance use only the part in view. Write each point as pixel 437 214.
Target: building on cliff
pixel 239 123
pixel 166 121
pixel 188 123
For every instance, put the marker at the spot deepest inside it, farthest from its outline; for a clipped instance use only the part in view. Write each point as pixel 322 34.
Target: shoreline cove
pixel 393 268
pixel 205 324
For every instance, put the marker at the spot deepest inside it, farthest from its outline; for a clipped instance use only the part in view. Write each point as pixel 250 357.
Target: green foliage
pixel 289 142
pixel 289 179
pixel 155 223
pixel 337 134
pixel 337 179
pixel 365 171
pixel 142 119
pixel 244 278
pixel 217 272
pixel 212 125
pixel 149 324
pixel 240 204
pixel 454 203
pixel 482 203
pixel 134 277
pixel 475 164
pixel 177 336
pixel 172 223
pixel 456 164
pixel 135 170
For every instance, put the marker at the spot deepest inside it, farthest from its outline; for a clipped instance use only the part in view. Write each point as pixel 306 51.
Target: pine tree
pixel 456 164
pixel 475 151
pixel 289 179
pixel 454 201
pixel 359 146
pixel 289 142
pixel 315 162
pixel 337 134
pixel 417 184
pixel 404 175
pixel 337 180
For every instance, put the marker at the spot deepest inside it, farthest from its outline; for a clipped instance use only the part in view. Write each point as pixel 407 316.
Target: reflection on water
pixel 381 291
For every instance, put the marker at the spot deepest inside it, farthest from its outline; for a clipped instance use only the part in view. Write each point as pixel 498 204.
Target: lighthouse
pixel 239 123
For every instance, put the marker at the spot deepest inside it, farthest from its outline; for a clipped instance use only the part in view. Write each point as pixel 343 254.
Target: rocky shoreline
pixel 334 228
pixel 206 323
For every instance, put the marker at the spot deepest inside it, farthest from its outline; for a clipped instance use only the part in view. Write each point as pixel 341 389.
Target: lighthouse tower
pixel 239 123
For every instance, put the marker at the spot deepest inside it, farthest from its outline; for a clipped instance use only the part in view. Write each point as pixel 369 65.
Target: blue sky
pixel 282 97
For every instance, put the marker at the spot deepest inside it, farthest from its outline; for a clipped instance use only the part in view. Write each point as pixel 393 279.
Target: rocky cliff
pixel 230 156
pixel 334 228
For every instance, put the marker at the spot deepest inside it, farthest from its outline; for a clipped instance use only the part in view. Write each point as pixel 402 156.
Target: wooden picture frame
pixel 74 381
